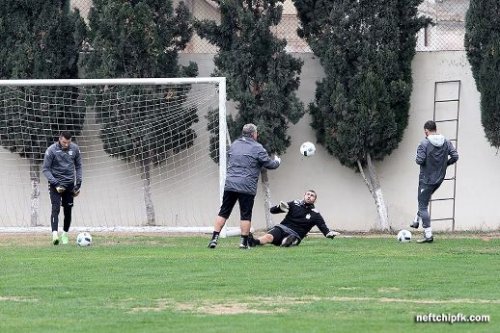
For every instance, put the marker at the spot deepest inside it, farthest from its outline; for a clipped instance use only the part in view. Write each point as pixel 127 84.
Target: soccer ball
pixel 404 236
pixel 84 239
pixel 307 149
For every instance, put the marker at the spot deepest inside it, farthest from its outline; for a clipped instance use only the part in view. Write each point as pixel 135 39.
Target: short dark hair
pixel 313 191
pixel 66 135
pixel 430 125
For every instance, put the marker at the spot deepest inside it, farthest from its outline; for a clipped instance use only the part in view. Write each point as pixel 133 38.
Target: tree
pixel 482 44
pixel 141 39
pixel 362 105
pixel 39 40
pixel 261 77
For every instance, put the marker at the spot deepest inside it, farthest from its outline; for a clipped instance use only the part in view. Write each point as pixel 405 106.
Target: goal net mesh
pixel 149 152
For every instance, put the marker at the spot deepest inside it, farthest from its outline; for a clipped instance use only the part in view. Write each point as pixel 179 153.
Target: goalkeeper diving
pixel 301 216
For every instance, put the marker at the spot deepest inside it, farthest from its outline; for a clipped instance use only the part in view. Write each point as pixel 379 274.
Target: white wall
pixel 343 197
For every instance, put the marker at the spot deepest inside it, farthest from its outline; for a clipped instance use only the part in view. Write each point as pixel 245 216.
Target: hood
pixel 437 140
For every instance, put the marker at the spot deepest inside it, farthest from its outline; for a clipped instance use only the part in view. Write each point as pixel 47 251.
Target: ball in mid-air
pixel 307 149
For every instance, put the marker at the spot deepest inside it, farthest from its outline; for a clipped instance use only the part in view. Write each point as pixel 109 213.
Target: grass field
pixel 152 283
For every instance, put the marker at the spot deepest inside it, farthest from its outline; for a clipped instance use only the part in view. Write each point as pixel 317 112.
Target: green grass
pixel 149 283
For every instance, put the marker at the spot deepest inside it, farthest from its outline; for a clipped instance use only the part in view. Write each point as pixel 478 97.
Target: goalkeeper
pixel 62 166
pixel 301 216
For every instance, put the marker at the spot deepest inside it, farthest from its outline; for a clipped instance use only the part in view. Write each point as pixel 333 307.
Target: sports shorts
pixel 229 200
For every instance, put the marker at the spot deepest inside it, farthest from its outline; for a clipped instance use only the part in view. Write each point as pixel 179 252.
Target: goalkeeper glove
pixel 284 206
pixel 277 158
pixel 332 234
pixel 76 189
pixel 60 189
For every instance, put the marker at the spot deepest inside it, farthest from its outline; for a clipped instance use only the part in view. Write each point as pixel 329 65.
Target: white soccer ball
pixel 84 239
pixel 404 236
pixel 307 149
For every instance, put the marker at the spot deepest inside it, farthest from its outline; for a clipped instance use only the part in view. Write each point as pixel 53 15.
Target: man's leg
pixel 228 202
pixel 55 200
pixel 268 238
pixel 246 206
pixel 424 197
pixel 67 203
pixel 245 231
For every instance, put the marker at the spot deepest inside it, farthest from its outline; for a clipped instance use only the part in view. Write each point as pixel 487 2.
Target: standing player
pixel 245 159
pixel 301 216
pixel 432 156
pixel 62 166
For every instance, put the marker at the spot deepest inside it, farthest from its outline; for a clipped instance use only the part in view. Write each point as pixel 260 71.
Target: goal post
pixel 152 153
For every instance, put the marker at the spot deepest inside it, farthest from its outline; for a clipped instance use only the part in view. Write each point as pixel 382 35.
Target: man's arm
pixel 266 161
pixel 421 153
pixel 320 223
pixel 78 167
pixel 452 152
pixel 47 163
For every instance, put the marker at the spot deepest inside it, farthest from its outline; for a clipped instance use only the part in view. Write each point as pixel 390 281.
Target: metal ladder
pixel 446 115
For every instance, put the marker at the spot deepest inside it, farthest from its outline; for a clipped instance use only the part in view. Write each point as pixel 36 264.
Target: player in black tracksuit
pixel 301 217
pixel 62 166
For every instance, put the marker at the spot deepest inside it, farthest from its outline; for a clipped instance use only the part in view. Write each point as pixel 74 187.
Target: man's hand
pixel 76 189
pixel 332 234
pixel 277 158
pixel 284 206
pixel 60 189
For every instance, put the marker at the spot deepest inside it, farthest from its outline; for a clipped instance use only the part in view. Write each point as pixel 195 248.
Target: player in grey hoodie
pixel 246 158
pixel 434 154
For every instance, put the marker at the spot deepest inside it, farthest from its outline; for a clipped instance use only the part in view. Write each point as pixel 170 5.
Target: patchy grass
pixel 154 283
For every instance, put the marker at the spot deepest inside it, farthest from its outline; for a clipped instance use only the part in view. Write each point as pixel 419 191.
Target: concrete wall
pixel 343 198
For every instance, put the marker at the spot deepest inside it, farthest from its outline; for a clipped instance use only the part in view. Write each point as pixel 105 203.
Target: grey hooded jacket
pixel 245 159
pixel 432 156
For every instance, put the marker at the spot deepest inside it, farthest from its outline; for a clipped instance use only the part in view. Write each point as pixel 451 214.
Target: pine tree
pixel 39 39
pixel 141 39
pixel 362 105
pixel 482 44
pixel 261 77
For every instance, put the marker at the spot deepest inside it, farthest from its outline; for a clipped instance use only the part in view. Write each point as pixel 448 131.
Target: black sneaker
pixel 244 247
pixel 414 225
pixel 212 244
pixel 426 240
pixel 251 240
pixel 289 241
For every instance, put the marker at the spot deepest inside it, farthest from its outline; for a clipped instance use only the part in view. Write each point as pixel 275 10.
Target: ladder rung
pixel 442 199
pixel 444 219
pixel 447 100
pixel 446 120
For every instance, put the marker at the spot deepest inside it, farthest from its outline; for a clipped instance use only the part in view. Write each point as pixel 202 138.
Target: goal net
pixel 153 150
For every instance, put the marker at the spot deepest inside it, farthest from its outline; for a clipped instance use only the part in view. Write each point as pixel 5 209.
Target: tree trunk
pixel 146 177
pixel 35 191
pixel 266 189
pixel 373 184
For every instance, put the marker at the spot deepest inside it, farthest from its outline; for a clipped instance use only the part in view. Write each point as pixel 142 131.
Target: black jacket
pixel 301 218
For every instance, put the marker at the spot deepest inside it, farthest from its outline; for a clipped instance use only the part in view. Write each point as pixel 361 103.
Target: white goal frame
pixel 222 135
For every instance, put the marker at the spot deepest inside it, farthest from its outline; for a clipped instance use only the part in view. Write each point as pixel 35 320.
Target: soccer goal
pixel 153 150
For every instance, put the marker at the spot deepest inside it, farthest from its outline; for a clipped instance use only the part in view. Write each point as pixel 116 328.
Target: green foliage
pixel 127 283
pixel 366 48
pixel 482 43
pixel 141 39
pixel 261 77
pixel 39 40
